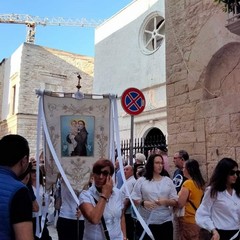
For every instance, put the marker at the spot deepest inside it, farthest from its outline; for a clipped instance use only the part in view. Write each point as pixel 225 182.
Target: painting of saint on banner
pixel 77 135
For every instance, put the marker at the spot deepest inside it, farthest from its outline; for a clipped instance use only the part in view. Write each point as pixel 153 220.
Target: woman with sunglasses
pixel 219 211
pixel 102 205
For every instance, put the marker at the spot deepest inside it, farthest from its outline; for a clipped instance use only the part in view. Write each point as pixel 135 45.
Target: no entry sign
pixel 133 101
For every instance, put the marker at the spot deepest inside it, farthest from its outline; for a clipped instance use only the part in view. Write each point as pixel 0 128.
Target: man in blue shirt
pixel 119 180
pixel 15 200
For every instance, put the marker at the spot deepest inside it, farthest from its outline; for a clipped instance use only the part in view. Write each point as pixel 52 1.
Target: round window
pixel 151 33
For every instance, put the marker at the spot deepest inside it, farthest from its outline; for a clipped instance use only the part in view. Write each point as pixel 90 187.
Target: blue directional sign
pixel 133 101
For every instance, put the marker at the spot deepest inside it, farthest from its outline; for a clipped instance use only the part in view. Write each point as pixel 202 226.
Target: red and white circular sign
pixel 133 101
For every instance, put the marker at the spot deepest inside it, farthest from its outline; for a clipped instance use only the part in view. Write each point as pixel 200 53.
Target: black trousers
pixel 160 231
pixel 45 232
pixel 227 234
pixel 130 226
pixel 69 229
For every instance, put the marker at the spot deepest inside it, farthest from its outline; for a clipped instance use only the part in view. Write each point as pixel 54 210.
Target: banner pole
pixel 131 141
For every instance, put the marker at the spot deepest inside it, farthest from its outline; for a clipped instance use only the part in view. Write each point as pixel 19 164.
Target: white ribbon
pixel 116 128
pixel 111 128
pixel 235 235
pixel 43 214
pixel 38 231
pixel 53 152
pixel 114 131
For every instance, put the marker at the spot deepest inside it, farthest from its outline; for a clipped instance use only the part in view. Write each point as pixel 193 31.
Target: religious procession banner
pixel 77 133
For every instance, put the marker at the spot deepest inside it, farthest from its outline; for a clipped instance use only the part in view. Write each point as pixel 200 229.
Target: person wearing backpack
pixel 190 197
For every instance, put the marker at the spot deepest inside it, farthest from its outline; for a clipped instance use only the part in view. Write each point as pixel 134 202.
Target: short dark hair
pixel 13 148
pixel 81 122
pixel 101 163
pixel 183 154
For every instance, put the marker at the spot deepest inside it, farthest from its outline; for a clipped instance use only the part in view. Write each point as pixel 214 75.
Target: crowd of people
pixel 148 203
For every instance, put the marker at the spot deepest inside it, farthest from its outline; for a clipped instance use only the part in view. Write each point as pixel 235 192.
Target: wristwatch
pixel 102 196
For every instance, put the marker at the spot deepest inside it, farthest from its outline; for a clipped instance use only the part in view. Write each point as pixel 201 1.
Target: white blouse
pixel 128 184
pixel 222 212
pixel 112 215
pixel 69 206
pixel 152 190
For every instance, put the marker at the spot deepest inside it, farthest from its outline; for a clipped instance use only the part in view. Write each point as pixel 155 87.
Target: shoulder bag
pixel 204 234
pixel 103 224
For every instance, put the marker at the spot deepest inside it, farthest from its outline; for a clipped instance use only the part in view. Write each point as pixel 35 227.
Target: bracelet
pixel 142 203
pixel 106 199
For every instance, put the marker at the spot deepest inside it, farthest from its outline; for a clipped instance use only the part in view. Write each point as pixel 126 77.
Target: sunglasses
pixel 104 173
pixel 233 172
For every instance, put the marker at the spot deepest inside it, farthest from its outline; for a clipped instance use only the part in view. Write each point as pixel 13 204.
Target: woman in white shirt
pixel 155 194
pixel 70 224
pixel 219 211
pixel 103 200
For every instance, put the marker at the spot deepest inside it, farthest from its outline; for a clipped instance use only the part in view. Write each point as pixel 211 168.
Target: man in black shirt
pixel 179 158
pixel 178 179
pixel 15 203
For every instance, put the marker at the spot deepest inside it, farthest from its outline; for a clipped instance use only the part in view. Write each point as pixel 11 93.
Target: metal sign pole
pixel 131 141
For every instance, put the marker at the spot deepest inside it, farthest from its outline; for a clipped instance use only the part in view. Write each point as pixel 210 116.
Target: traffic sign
pixel 133 101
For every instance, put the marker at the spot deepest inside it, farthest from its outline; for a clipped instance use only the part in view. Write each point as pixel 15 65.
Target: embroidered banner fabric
pixel 80 133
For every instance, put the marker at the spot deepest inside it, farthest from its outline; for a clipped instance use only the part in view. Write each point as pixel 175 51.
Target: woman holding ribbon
pixel 155 194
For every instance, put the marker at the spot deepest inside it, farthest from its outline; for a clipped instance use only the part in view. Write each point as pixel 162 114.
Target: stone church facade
pixel 203 83
pixel 33 67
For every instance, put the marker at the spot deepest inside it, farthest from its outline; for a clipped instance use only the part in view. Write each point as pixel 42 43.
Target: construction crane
pixel 32 21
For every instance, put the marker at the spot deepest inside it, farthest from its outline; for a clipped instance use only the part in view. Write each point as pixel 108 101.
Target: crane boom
pixel 32 21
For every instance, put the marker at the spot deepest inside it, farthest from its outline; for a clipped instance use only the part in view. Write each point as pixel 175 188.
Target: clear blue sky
pixel 72 39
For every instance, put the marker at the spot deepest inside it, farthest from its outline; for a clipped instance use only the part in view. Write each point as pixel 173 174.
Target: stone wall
pixel 202 62
pixel 41 68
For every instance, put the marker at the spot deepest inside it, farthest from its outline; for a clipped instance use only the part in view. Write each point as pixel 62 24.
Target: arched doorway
pixel 152 139
pixel 155 139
